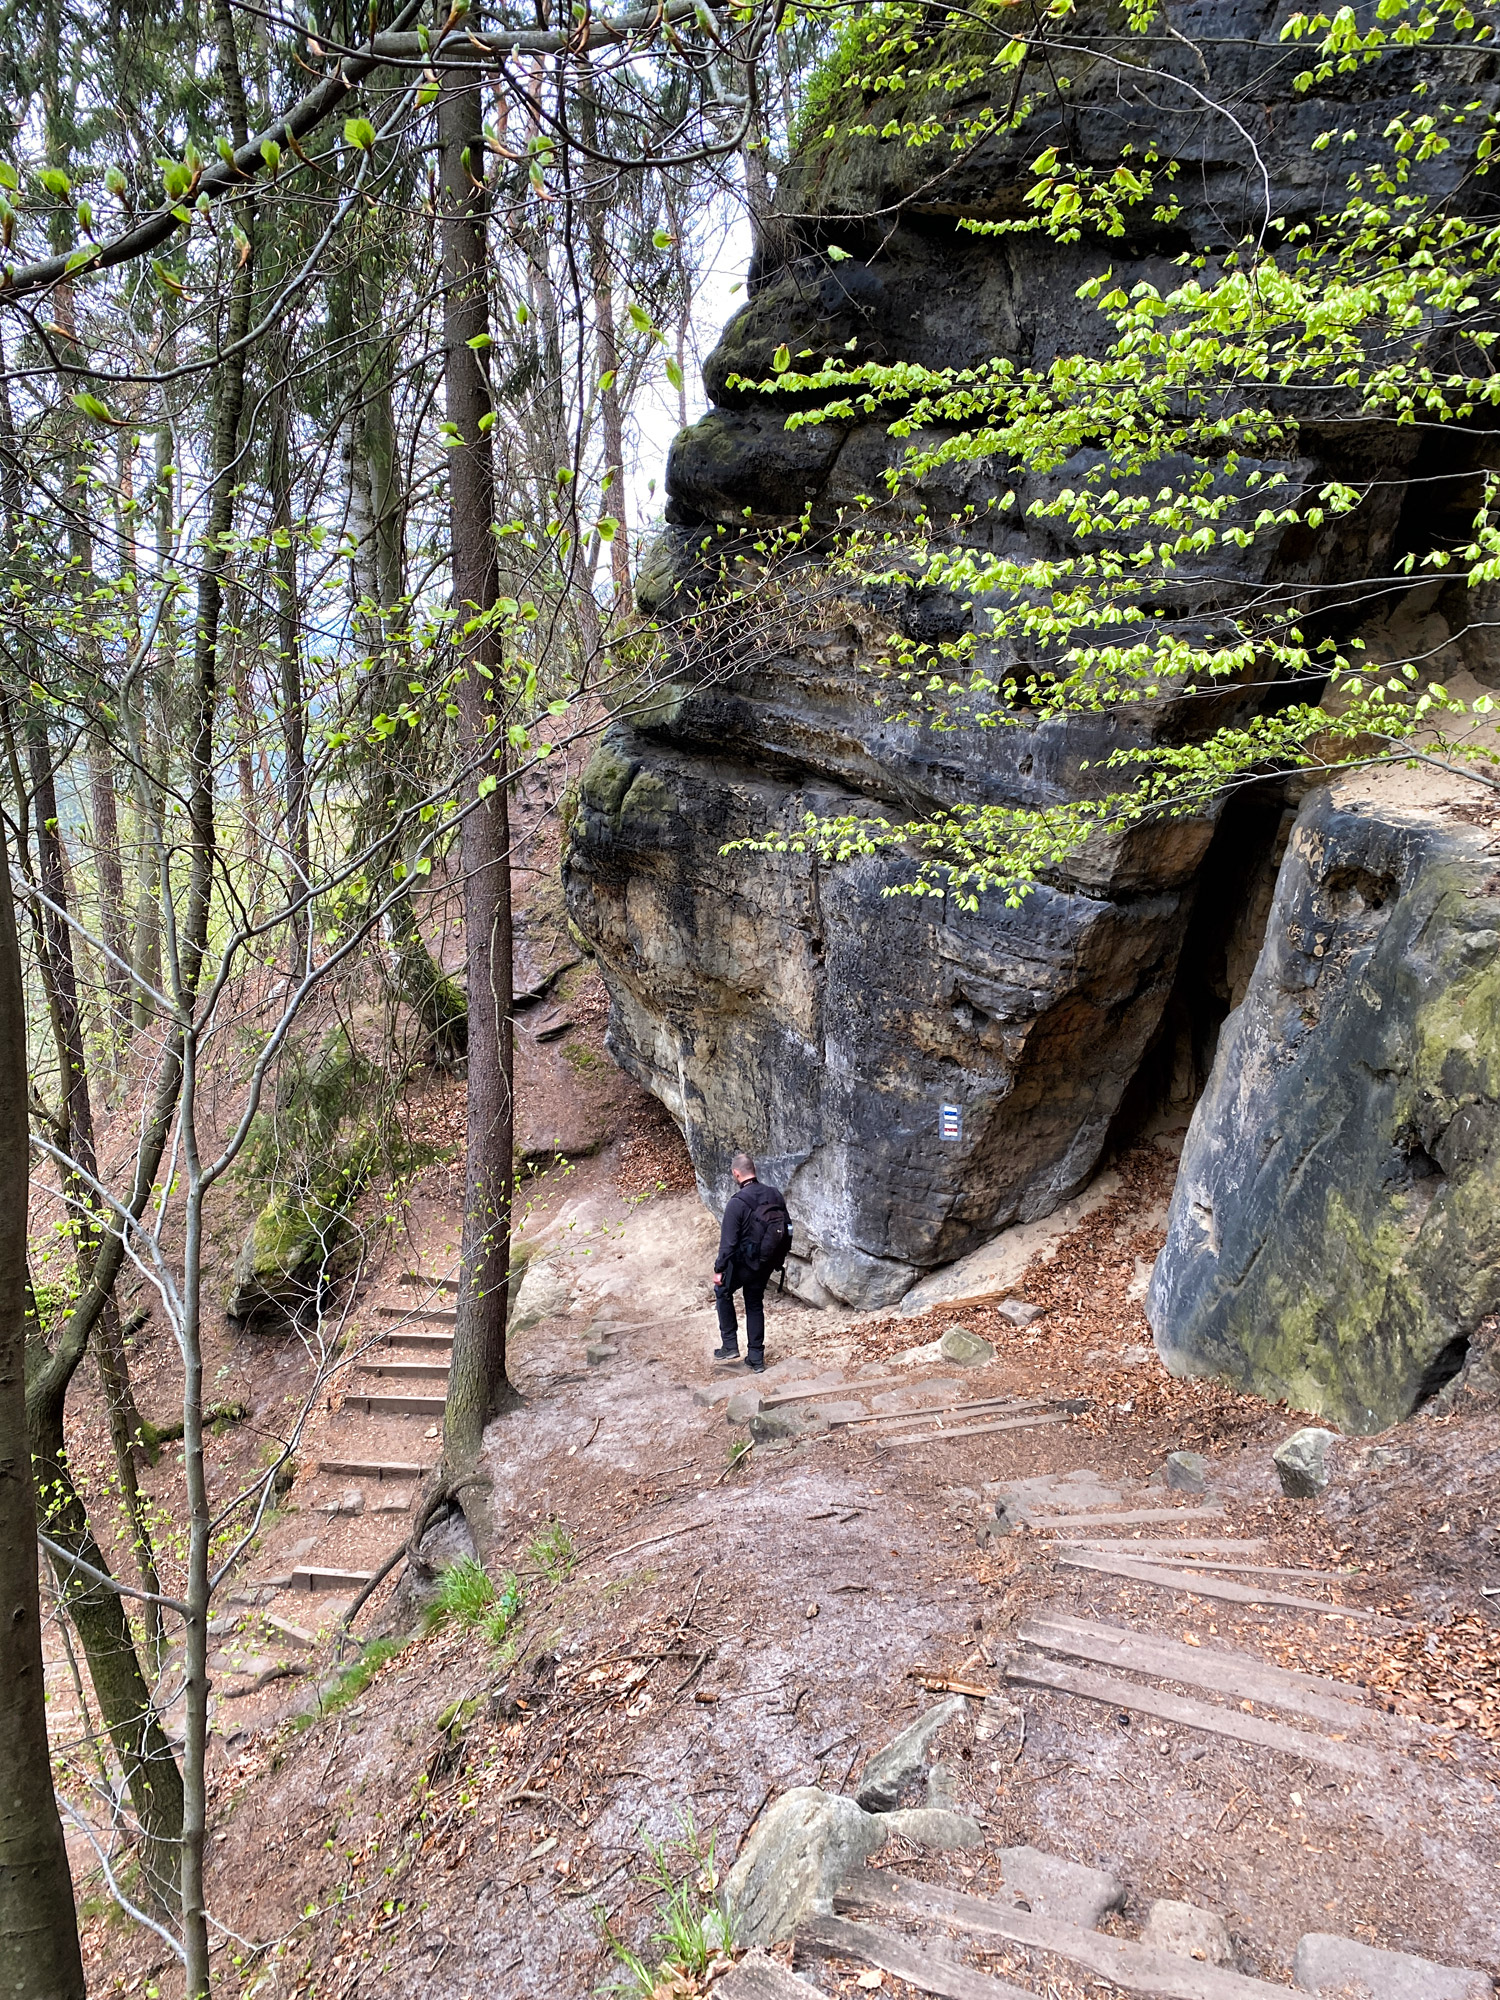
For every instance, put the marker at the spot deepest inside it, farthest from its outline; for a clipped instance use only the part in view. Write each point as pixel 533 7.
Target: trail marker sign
pixel 951 1122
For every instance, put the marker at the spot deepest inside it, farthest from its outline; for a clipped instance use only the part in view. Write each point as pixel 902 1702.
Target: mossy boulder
pixel 310 1153
pixel 1334 1236
pixel 290 1254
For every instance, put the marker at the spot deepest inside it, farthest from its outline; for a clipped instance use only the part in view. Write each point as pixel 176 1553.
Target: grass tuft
pixel 692 1930
pixel 554 1549
pixel 351 1683
pixel 464 1593
pixel 505 1611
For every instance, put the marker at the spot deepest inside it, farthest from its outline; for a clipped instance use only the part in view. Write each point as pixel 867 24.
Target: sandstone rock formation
pixel 1334 1237
pixel 804 1012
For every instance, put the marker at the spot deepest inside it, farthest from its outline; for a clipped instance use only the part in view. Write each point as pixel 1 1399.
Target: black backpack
pixel 767 1237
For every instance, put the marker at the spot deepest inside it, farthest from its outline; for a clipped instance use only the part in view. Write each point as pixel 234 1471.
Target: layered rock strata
pixel 807 1013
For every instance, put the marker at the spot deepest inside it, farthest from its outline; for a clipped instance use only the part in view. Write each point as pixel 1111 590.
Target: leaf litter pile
pixel 1093 1337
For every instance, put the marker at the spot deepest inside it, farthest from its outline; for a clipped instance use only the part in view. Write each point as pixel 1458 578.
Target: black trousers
pixel 753 1285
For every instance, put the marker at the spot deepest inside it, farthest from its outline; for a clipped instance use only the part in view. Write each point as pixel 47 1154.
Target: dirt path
pixel 725 1633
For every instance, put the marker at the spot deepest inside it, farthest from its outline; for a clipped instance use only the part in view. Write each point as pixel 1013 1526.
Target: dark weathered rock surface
pixel 1334 1237
pixel 804 1012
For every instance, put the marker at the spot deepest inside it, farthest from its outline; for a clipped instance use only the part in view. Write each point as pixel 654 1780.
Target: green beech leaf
pixel 359 132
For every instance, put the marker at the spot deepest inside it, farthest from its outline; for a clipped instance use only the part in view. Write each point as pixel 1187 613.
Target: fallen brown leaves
pixel 654 1159
pixel 1446 1675
pixel 1093 1337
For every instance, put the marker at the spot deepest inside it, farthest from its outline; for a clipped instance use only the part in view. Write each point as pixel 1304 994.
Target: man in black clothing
pixel 738 1269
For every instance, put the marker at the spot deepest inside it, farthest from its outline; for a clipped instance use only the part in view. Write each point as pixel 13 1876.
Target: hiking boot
pixel 726 1354
pixel 757 1362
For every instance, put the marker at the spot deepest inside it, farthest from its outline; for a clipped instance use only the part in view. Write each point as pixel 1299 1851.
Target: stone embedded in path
pixel 599 1351
pixel 787 1425
pixel 1189 1931
pixel 1328 1964
pixel 1018 1312
pixel 966 1348
pixel 757 1977
pixel 934 1827
pixel 743 1405
pixel 794 1860
pixel 1301 1462
pixel 1052 1887
pixel 904 1759
pixel 1185 1472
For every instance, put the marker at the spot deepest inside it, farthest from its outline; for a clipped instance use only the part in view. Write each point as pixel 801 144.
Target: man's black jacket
pixel 742 1205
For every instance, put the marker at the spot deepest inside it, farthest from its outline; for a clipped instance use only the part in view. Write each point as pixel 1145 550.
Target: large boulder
pixel 1334 1237
pixel 816 1015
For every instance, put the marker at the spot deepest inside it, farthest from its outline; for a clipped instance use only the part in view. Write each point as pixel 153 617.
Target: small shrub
pixel 554 1549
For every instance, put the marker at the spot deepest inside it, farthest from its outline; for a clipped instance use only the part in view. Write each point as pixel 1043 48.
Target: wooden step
pixel 1203 1584
pixel 1149 1549
pixel 1033 1670
pixel 424 1343
pixel 1135 1517
pixel 414 1372
pixel 418 1312
pixel 928 1971
pixel 423 1282
pixel 328 1579
pixel 1217 1668
pixel 377 1469
pixel 1138 1968
pixel 991 1405
pixel 973 1430
pixel 431 1407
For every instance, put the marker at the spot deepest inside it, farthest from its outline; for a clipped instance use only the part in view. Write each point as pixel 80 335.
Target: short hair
pixel 742 1164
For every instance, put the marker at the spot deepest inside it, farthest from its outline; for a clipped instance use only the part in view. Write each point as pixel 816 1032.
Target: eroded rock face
pixel 1334 1237
pixel 803 1012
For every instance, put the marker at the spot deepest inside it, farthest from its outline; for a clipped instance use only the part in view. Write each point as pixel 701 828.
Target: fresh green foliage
pixel 554 1550
pixel 1164 469
pixel 464 1593
pixel 499 1621
pixel 691 1928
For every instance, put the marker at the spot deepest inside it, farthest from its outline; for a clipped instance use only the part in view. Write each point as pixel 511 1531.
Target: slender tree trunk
pixel 289 658
pixel 111 882
pixel 601 277
pixel 39 1953
pixel 151 887
pixel 117 1682
pixel 477 1384
pixel 229 403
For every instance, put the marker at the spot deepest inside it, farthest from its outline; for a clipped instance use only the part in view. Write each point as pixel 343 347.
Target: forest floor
pixel 707 1628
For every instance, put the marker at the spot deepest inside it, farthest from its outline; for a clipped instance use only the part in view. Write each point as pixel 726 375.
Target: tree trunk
pixel 477 1384
pixel 111 883
pixel 289 657
pixel 39 1952
pixel 106 1638
pixel 228 410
